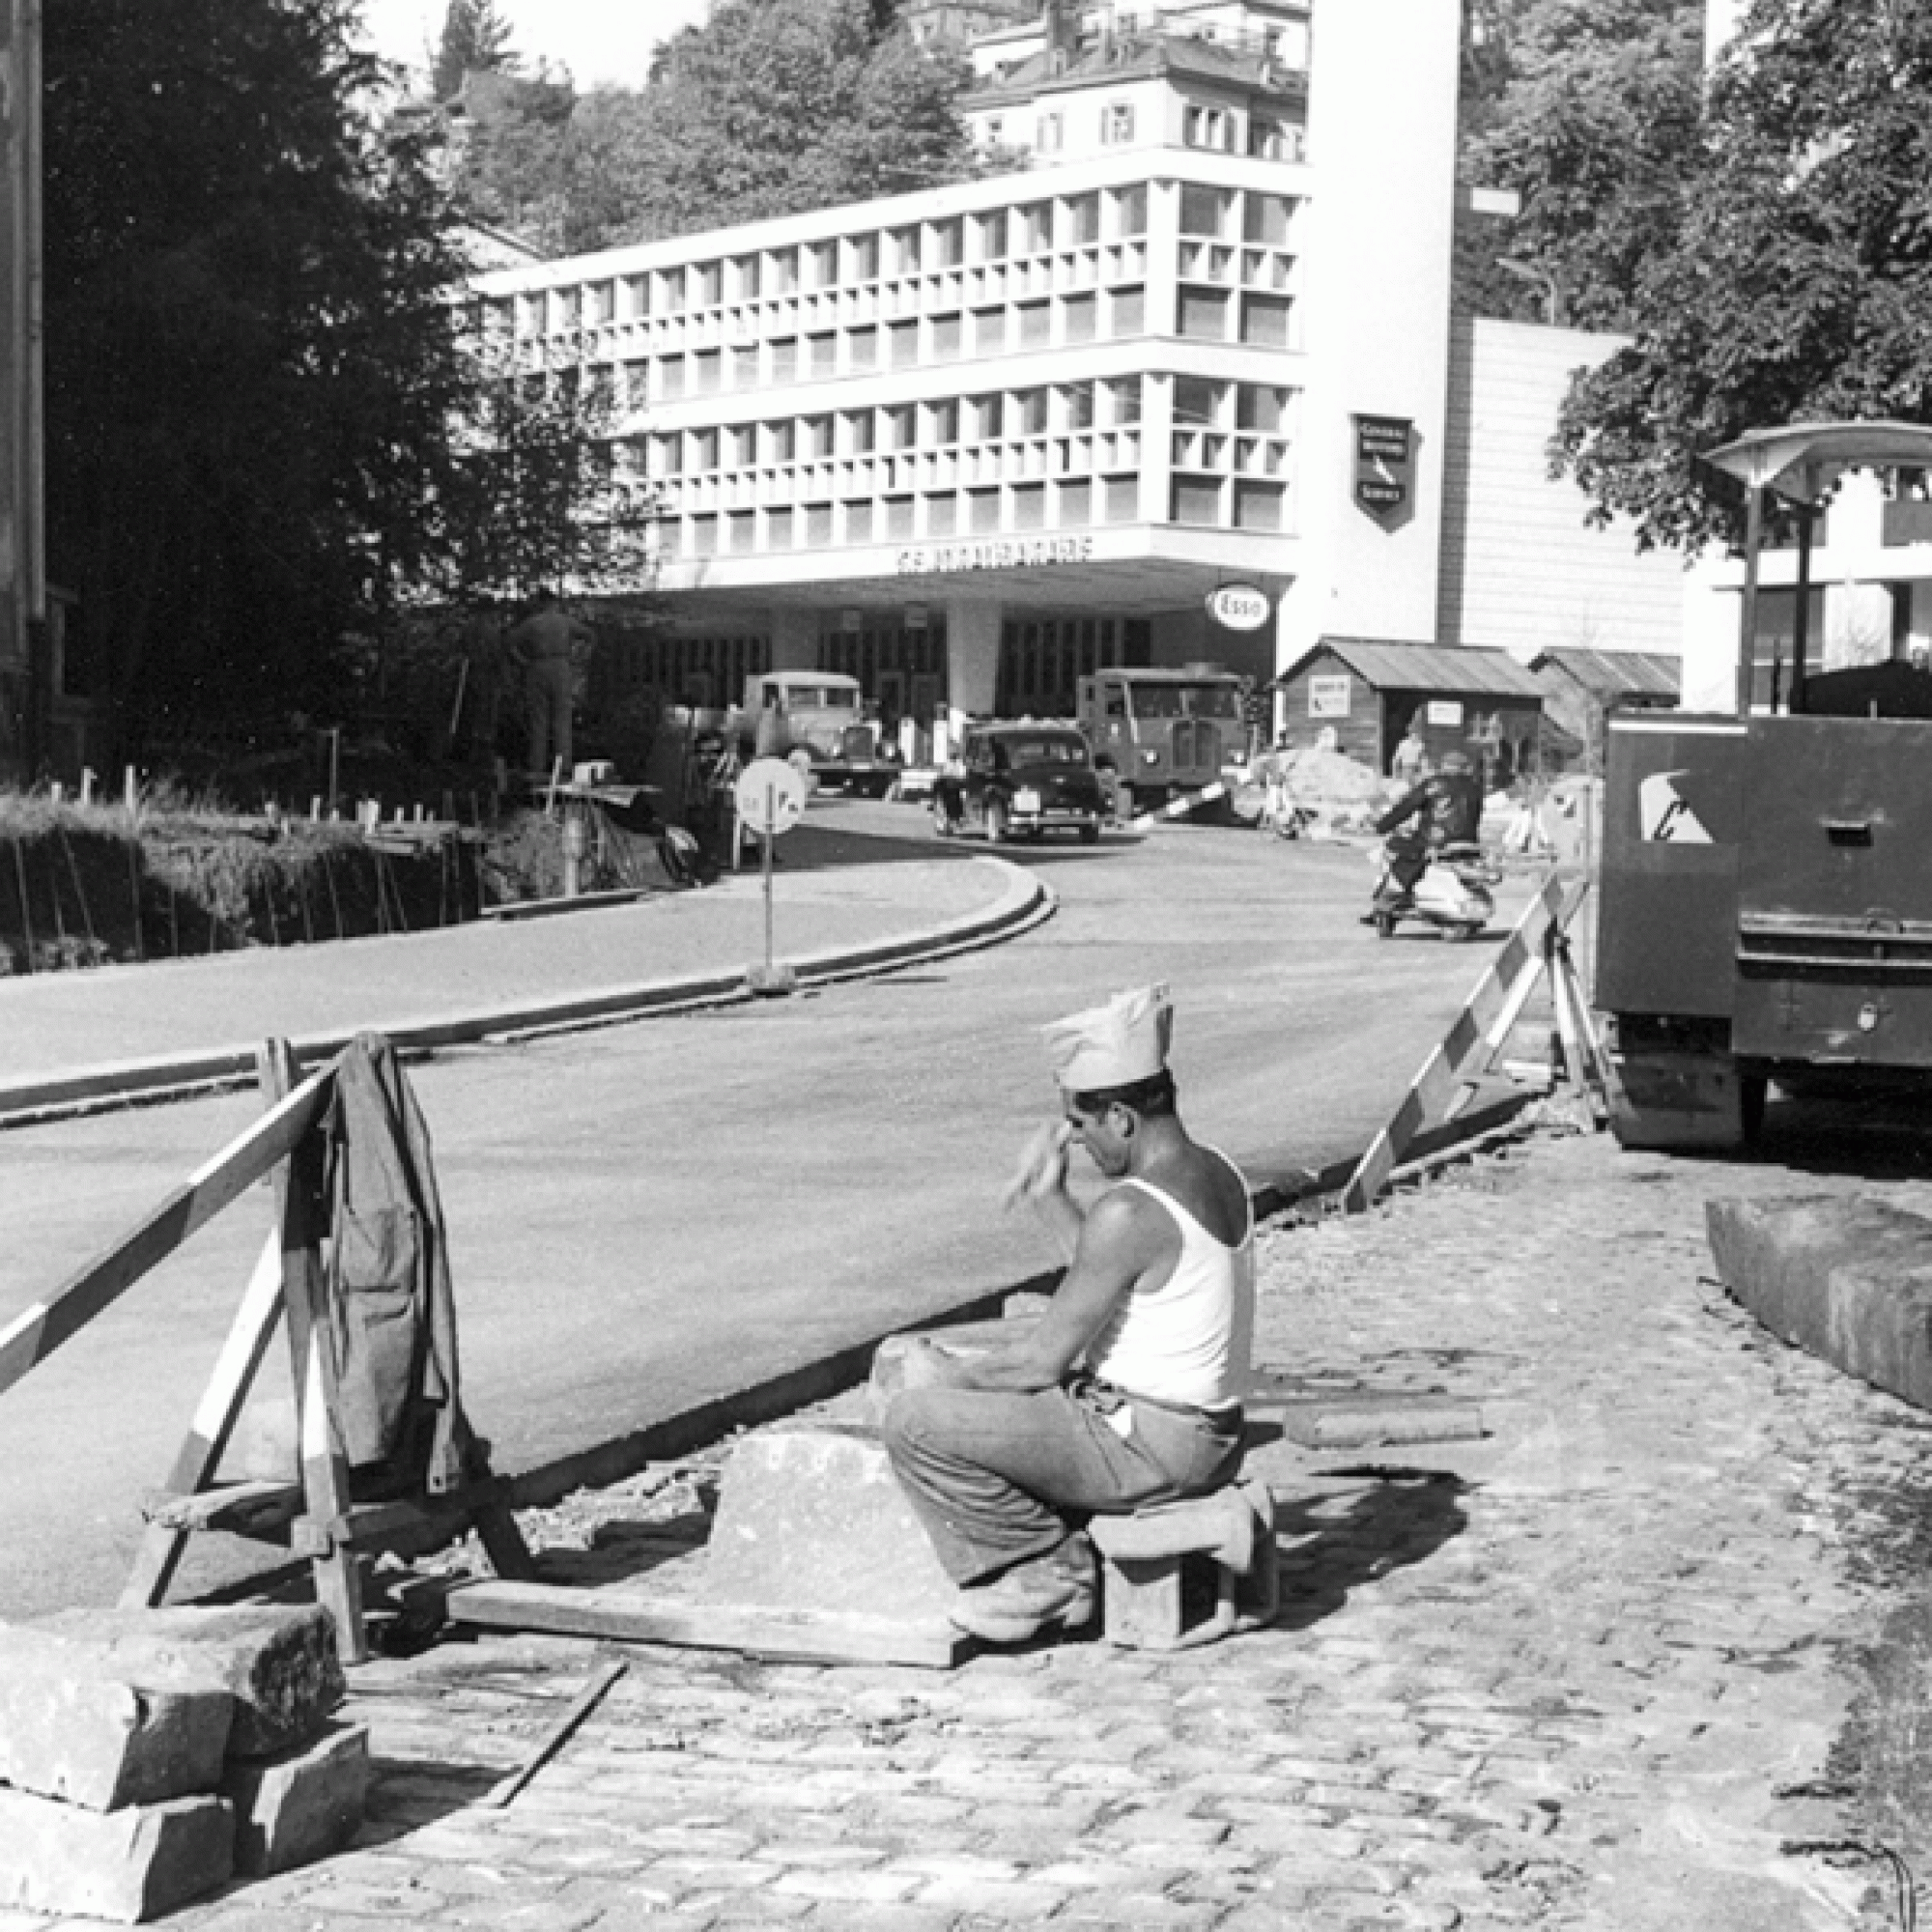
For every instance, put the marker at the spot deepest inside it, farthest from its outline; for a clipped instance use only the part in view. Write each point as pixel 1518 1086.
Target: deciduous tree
pixel 1799 281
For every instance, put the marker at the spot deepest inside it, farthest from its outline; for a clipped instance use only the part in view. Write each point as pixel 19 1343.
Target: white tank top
pixel 1189 1340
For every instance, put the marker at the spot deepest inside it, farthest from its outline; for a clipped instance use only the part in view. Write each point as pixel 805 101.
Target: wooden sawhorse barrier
pixel 316 1515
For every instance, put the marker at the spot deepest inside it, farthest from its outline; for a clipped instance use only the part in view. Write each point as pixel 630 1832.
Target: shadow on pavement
pixel 1403 1517
pixel 405 1794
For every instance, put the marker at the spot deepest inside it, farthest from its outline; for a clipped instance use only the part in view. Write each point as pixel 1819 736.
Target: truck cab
pixel 822 715
pixel 1162 731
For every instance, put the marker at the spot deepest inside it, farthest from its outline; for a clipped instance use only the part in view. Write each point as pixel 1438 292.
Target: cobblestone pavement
pixel 1603 1669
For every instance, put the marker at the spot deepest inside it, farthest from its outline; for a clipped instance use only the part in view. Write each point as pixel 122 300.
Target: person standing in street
pixel 1128 1390
pixel 1410 764
pixel 542 648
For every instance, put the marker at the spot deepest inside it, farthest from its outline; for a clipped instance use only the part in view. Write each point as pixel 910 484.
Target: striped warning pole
pixel 1178 808
pixel 1474 1037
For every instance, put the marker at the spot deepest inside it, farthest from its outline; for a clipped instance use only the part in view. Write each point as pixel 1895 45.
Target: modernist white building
pixel 972 441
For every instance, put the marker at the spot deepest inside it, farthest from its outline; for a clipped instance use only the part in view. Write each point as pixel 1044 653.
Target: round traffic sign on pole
pixel 770 797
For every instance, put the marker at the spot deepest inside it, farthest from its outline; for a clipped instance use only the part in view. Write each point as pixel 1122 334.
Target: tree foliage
pixel 770 107
pixel 250 360
pixel 1798 283
pixel 475 40
pixel 1590 111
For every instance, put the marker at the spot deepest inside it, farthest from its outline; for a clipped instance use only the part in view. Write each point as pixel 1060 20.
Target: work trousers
pixel 997 1478
pixel 546 685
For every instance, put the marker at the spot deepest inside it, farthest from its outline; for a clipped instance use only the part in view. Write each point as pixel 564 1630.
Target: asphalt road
pixel 649 1215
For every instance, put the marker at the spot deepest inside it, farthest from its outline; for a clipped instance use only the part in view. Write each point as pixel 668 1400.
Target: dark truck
pixel 1161 732
pixel 1766 909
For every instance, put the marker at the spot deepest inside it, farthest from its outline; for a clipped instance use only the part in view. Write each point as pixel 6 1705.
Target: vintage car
pixel 1018 782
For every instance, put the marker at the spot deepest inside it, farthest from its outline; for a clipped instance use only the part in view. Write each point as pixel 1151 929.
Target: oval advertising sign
pixel 1239 607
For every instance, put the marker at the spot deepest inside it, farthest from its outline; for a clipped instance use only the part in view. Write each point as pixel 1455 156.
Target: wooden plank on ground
pixel 34 1334
pixel 815 1637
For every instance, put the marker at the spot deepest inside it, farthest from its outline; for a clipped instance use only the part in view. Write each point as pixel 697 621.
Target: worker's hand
pixel 1042 1166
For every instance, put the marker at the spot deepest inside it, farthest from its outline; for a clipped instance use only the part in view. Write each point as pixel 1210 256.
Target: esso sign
pixel 1239 607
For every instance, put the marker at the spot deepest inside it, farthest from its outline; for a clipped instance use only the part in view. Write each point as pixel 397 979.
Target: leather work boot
pixel 1056 1591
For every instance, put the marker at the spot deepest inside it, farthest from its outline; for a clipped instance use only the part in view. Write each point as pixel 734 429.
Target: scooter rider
pixel 1447 810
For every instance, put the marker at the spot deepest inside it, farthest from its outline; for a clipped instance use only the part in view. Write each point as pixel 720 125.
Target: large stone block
pixel 128 1865
pixel 301 1805
pixel 104 1742
pixel 280 1666
pixel 811 1518
pixel 1847 1279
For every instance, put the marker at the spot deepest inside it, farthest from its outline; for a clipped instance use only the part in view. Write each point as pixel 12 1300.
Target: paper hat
pixel 1112 1045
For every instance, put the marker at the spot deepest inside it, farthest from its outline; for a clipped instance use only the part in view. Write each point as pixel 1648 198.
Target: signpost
pixel 770 800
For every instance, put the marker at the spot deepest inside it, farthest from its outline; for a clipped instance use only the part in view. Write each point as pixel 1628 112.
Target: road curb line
pixel 1024 902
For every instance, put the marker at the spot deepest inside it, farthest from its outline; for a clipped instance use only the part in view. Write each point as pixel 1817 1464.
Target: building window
pixel 1258 506
pixel 1035 227
pixel 1030 506
pixel 942 422
pixel 670 376
pixel 865 258
pixel 817 439
pixel 1123 402
pixel 1083 220
pixel 745 277
pixel 1128 308
pixel 744 366
pixel 1122 499
pixel 1205 210
pixel 1199 403
pixel 992 234
pixel 637 290
pixel 784 278
pixel 1030 411
pixel 780 529
pixel 948 243
pixel 989 330
pixel 1265 321
pixel 824 258
pixel 945 338
pixel 1276 140
pixel 780 441
pixel 1117 124
pixel 1197 500
pixel 1076 503
pixel 859 521
pixel 709 279
pixel 784 359
pixel 666 455
pixel 707 368
pixel 904 340
pixel 860 433
pixel 741 531
pixel 1076 406
pixel 671 288
pixel 701 537
pixel 941 516
pixel 898 519
pixel 1204 314
pixel 863 344
pixel 1035 324
pixel 901 426
pixel 905 251
pixel 1264 219
pixel 817 526
pixel 701 449
pixel 636 382
pixel 1260 408
pixel 983 511
pixel 822 352
pixel 1047 133
pixel 744 437
pixel 1082 315
pixel 1206 128
pixel 982 419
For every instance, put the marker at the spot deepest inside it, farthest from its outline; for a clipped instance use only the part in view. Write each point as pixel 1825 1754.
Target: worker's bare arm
pixel 1124 1238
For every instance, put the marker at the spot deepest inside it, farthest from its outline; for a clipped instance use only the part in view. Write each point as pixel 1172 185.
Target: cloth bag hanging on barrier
pixel 391 1304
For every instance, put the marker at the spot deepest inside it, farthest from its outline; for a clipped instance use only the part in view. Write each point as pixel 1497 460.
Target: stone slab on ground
pixel 104 1742
pixel 1845 1278
pixel 811 1518
pixel 1369 1420
pixel 279 1665
pixel 300 1805
pixel 127 1866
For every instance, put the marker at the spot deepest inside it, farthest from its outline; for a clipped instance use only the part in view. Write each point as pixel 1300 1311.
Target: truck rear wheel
pixel 1679 1088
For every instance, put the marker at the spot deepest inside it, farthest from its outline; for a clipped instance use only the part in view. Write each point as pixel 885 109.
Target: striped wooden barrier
pixel 316 1514
pixel 1475 1036
pixel 1178 808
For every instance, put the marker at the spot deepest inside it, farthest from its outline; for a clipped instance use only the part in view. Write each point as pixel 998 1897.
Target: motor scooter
pixel 1453 894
